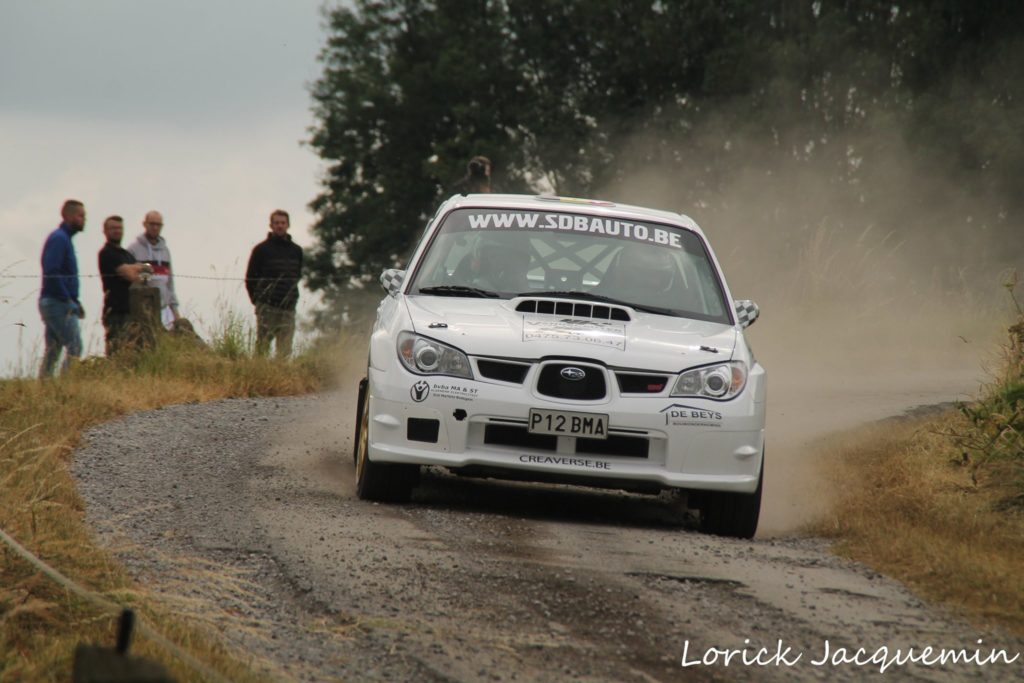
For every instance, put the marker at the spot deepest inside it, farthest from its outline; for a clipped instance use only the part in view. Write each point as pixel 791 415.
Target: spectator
pixel 118 269
pixel 152 249
pixel 477 179
pixel 58 299
pixel 272 280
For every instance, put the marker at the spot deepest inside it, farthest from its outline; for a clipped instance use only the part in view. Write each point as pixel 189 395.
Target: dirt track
pixel 475 580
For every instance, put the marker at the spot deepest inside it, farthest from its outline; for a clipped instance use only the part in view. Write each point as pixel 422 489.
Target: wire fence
pixel 38 276
pixel 12 300
pixel 108 605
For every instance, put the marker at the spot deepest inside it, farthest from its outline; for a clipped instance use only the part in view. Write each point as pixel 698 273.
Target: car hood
pixel 491 327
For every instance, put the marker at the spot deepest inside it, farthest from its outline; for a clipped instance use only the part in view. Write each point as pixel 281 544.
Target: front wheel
pixel 384 482
pixel 732 514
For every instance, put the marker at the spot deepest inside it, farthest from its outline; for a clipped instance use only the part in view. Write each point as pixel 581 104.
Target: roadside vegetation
pixel 938 501
pixel 40 425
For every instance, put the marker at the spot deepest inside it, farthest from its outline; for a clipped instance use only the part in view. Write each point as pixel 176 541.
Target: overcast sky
pixel 196 108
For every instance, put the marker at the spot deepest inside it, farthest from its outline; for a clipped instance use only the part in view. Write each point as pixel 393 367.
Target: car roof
pixel 568 205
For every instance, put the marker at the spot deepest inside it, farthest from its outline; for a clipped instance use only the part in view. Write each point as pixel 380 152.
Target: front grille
pixel 622 446
pixel 632 383
pixel 502 371
pixel 519 437
pixel 590 388
pixel 573 309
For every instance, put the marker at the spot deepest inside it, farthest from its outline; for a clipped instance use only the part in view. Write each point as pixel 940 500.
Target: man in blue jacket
pixel 58 301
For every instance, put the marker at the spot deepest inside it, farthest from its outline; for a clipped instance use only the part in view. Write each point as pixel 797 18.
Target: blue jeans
pixel 62 332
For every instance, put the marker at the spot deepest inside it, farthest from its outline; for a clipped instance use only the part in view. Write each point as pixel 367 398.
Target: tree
pixel 655 102
pixel 409 93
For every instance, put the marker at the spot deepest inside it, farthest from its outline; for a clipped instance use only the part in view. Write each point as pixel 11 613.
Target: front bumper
pixel 652 440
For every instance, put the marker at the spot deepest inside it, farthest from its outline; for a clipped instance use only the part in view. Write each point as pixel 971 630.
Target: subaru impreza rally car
pixel 565 340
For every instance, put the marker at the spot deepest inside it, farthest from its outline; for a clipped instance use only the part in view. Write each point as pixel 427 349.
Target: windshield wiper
pixel 459 290
pixel 590 296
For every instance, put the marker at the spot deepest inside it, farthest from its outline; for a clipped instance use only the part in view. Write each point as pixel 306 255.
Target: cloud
pixel 191 61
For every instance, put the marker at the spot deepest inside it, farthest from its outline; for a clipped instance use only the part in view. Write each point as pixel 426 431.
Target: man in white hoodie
pixel 151 248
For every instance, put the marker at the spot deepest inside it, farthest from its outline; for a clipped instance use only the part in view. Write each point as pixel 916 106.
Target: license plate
pixel 564 423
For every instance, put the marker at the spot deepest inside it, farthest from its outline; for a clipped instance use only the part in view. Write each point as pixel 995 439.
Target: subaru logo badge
pixel 573 374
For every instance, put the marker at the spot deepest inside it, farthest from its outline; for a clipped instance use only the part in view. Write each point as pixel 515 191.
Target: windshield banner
pixel 567 222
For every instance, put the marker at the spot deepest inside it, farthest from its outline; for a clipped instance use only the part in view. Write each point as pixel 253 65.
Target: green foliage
pixel 993 441
pixel 584 96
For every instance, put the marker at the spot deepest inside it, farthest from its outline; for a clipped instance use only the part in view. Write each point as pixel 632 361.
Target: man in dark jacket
pixel 118 270
pixel 477 179
pixel 272 280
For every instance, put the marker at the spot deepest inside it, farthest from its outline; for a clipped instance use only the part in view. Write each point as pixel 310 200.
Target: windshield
pixel 506 253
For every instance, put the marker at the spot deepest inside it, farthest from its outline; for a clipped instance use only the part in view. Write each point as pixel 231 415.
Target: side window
pixel 712 304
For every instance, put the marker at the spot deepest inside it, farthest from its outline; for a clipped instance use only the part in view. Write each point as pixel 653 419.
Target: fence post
pixel 144 312
pixel 96 664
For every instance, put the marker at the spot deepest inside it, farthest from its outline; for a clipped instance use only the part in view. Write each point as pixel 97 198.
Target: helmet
pixel 640 270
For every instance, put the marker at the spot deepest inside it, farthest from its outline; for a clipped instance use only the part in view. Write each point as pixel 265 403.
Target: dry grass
pixel 937 502
pixel 908 505
pixel 40 423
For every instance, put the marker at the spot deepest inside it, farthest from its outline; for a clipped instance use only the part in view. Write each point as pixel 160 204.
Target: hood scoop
pixel 573 309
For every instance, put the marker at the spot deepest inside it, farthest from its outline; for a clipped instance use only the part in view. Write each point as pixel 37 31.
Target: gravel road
pixel 242 514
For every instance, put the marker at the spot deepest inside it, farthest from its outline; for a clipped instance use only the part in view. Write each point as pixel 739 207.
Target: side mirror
pixel 391 280
pixel 746 312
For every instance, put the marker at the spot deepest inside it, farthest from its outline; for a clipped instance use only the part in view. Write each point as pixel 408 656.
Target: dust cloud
pixel 872 301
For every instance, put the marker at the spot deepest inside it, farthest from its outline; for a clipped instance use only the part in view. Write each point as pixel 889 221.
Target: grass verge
pixel 937 501
pixel 40 424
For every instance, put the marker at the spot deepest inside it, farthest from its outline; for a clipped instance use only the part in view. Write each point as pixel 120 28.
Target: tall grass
pixel 937 502
pixel 234 337
pixel 992 440
pixel 40 424
pixel 903 504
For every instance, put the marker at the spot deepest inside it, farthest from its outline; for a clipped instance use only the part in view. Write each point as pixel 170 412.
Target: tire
pixel 382 482
pixel 732 514
pixel 361 397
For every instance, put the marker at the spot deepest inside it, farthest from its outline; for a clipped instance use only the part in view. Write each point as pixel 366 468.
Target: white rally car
pixel 565 340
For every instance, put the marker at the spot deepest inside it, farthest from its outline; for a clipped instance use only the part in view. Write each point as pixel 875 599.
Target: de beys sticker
pixel 681 415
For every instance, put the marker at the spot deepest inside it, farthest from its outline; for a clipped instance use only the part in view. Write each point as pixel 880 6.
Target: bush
pixel 992 442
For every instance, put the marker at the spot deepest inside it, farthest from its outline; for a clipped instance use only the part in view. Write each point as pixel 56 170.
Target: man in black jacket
pixel 118 270
pixel 272 280
pixel 477 179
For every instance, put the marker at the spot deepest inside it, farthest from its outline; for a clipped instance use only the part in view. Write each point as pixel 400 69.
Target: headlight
pixel 425 356
pixel 722 381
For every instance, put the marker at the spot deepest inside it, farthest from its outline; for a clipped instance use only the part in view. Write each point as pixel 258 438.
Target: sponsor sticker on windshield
pixel 598 333
pixel 571 223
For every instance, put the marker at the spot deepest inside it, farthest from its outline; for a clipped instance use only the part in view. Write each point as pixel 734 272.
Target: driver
pixel 640 273
pixel 500 263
